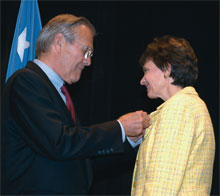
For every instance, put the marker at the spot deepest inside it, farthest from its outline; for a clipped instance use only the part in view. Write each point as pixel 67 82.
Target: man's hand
pixel 135 124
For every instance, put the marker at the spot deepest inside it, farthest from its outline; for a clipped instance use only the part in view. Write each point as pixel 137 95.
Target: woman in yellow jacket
pixel 177 152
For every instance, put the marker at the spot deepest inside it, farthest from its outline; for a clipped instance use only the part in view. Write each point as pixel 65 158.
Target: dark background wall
pixel 110 87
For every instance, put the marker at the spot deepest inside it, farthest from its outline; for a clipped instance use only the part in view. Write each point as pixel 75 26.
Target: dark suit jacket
pixel 43 152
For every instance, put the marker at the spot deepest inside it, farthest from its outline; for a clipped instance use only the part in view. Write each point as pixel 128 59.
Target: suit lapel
pixel 35 68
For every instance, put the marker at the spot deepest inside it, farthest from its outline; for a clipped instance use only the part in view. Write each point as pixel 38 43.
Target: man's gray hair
pixel 65 24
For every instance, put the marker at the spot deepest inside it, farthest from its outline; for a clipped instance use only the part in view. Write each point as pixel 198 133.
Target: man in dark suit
pixel 45 150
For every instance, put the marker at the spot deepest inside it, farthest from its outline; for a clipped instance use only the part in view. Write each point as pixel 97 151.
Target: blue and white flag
pixel 27 29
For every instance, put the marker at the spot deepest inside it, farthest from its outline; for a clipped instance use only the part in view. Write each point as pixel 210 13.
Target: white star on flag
pixel 26 32
pixel 22 44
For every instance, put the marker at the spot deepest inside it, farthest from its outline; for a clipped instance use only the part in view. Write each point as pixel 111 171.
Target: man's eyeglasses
pixel 88 52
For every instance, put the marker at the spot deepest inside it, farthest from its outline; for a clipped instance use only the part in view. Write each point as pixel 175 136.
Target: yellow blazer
pixel 177 152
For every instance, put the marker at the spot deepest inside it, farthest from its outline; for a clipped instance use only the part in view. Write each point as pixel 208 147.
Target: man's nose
pixel 87 61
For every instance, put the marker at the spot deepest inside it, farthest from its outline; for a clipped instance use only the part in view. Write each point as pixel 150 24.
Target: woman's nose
pixel 142 82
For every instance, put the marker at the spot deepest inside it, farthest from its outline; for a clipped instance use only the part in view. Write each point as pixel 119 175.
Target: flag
pixel 27 29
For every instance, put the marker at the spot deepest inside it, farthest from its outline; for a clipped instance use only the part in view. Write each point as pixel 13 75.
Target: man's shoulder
pixel 27 79
pixel 30 73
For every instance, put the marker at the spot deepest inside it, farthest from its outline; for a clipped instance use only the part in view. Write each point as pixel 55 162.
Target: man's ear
pixel 59 42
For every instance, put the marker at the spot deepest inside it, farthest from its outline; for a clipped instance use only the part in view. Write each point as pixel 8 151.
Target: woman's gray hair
pixel 65 24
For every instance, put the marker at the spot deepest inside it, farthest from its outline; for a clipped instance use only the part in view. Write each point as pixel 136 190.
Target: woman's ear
pixel 167 72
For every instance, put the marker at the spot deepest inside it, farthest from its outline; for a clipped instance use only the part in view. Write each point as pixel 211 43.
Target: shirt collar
pixel 56 80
